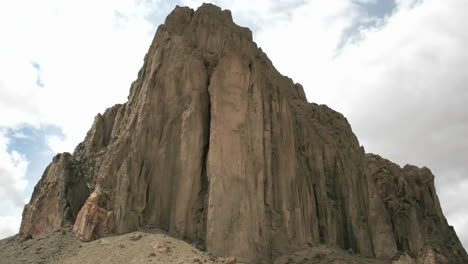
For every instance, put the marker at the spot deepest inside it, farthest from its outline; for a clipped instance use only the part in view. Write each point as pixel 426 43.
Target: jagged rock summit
pixel 217 147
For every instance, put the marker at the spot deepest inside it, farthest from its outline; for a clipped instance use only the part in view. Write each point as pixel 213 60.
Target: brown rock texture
pixel 406 215
pixel 93 221
pixel 216 146
pixel 57 198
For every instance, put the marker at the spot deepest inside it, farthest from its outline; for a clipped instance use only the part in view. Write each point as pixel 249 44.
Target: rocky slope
pixel 146 246
pixel 217 147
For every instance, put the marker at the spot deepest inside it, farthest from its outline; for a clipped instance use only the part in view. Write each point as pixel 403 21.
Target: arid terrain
pixel 147 246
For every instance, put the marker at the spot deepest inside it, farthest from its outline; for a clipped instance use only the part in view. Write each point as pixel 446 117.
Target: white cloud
pixel 12 186
pixel 19 134
pixel 12 171
pixel 403 88
pixel 9 225
pixel 89 52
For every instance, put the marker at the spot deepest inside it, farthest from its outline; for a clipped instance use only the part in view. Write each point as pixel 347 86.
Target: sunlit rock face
pixel 217 147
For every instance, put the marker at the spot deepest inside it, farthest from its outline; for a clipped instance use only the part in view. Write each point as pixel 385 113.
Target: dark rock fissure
pixel 141 170
pixel 202 199
pixel 317 214
pixel 202 212
pixel 146 199
pixel 430 193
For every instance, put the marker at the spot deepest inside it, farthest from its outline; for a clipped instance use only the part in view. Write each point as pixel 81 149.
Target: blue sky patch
pixel 376 12
pixel 380 8
pixel 37 66
pixel 32 143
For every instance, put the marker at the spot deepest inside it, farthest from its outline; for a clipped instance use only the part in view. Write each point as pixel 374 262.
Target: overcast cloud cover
pixel 397 69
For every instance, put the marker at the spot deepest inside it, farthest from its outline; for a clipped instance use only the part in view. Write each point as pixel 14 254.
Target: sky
pixel 397 69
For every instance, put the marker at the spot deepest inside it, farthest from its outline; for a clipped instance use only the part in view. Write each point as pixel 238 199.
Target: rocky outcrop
pixel 405 214
pixel 93 221
pixel 57 198
pixel 216 146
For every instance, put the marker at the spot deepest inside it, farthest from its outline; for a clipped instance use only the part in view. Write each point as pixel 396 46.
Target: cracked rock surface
pixel 217 147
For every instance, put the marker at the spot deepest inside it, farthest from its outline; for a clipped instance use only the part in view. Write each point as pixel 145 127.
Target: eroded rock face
pixel 93 221
pixel 406 215
pixel 216 146
pixel 57 198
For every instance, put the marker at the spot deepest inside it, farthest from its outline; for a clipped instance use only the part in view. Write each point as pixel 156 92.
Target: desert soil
pixel 146 246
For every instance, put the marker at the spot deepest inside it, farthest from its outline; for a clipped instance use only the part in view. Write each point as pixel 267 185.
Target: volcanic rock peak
pixel 216 146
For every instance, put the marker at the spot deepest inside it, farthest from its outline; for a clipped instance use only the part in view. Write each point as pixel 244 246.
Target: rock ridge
pixel 216 146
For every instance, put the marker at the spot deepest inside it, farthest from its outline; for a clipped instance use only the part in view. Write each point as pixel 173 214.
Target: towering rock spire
pixel 216 146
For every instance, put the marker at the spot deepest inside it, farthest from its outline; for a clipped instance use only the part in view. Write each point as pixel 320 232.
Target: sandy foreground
pixel 146 246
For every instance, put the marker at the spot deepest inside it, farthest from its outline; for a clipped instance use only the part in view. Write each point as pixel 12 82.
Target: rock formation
pixel 405 214
pixel 57 197
pixel 216 146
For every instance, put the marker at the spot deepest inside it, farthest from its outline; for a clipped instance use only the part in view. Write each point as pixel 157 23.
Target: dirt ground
pixel 146 246
pixel 321 254
pixel 38 250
